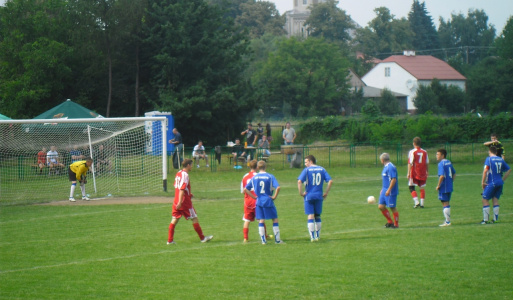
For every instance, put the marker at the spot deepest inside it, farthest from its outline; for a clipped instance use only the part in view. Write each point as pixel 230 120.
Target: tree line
pixel 217 63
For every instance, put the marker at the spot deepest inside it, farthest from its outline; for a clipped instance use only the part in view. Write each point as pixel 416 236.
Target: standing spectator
pixel 52 159
pixel 250 139
pixel 101 160
pixel 77 171
pixel 264 145
pixel 264 184
pixel 260 132
pixel 495 172
pixel 75 154
pixel 389 192
pixel 177 142
pixel 314 177
pixel 418 163
pixel 182 205
pixel 446 176
pixel 289 135
pixel 498 145
pixel 237 152
pixel 268 133
pixel 41 160
pixel 199 153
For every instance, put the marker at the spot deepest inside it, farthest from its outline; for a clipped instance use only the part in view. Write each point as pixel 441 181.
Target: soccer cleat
pixel 416 206
pixel 389 225
pixel 207 238
pixel 445 224
pixel 171 243
pixel 264 243
pixel 245 241
pixel 312 240
pixel 279 242
pixel 495 221
pixel 71 199
pixel 85 198
pixel 422 206
pixel 483 222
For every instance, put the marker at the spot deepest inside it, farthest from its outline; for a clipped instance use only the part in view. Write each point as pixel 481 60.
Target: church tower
pixel 296 18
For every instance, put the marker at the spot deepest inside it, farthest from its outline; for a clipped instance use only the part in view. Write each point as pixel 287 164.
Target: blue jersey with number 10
pixel 496 166
pixel 446 170
pixel 263 184
pixel 314 177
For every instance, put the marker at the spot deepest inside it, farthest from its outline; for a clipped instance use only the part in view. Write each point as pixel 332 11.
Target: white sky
pixel 362 11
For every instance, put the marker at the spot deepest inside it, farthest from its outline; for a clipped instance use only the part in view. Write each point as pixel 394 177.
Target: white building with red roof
pixel 405 73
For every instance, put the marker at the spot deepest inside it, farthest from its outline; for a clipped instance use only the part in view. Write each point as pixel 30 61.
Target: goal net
pixel 129 154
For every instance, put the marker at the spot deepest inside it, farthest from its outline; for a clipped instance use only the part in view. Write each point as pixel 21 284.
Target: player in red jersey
pixel 418 164
pixel 249 203
pixel 182 206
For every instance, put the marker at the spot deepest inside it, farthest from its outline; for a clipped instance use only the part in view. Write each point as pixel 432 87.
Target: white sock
pixel 416 200
pixel 421 202
pixel 311 228
pixel 495 213
pixel 82 188
pixel 447 214
pixel 261 231
pixel 72 192
pixel 276 230
pixel 486 213
pixel 318 225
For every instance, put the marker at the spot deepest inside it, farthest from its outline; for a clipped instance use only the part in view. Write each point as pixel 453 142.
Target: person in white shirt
pixel 52 158
pixel 199 153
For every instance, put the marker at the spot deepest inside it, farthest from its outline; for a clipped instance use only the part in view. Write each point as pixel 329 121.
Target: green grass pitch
pixel 120 251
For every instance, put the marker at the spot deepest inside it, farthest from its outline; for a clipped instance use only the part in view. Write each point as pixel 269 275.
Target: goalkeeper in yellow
pixel 77 172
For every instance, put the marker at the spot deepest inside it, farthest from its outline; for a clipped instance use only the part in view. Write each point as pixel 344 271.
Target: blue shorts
pixel 313 207
pixel 491 192
pixel 266 213
pixel 389 201
pixel 444 196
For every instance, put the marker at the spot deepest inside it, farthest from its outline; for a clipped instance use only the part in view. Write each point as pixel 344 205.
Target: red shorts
pixel 186 213
pixel 417 182
pixel 249 211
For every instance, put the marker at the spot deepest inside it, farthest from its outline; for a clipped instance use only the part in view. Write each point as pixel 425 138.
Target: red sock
pixel 171 233
pixel 396 219
pixel 246 233
pixel 422 194
pixel 197 227
pixel 386 213
pixel 414 194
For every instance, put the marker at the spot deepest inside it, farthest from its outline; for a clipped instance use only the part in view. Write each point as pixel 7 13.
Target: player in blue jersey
pixel 389 192
pixel 263 185
pixel 314 177
pixel 495 172
pixel 446 175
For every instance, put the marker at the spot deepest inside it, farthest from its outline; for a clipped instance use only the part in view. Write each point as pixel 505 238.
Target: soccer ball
pixel 371 200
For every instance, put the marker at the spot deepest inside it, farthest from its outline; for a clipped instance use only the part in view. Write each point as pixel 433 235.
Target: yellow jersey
pixel 80 168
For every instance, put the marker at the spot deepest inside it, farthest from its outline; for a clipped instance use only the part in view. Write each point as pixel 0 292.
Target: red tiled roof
pixel 426 67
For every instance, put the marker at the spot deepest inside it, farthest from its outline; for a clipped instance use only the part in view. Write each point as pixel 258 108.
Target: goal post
pixel 129 155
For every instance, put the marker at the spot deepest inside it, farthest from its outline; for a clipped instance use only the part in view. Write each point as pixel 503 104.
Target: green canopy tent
pixel 68 110
pixel 2 117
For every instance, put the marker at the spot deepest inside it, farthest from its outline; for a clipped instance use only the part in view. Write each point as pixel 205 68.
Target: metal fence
pixel 360 155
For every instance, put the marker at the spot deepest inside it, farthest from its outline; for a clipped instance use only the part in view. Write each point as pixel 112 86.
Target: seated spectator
pixel 52 159
pixel 264 145
pixel 199 153
pixel 238 151
pixel 41 160
pixel 75 154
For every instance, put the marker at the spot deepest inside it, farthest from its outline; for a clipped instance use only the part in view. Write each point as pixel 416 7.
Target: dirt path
pixel 114 201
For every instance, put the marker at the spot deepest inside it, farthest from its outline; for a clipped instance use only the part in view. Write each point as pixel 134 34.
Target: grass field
pixel 120 251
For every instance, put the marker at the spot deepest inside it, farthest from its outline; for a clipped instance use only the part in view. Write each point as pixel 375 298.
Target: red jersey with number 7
pixel 418 159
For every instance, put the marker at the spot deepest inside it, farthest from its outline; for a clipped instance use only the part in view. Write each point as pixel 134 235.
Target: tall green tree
pixel 259 18
pixel 467 37
pixel 440 98
pixel 504 42
pixel 388 103
pixel 196 66
pixel 330 22
pixel 309 76
pixel 421 23
pixel 384 35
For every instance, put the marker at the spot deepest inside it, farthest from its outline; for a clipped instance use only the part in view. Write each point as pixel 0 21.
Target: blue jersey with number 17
pixel 446 170
pixel 496 166
pixel 314 176
pixel 263 185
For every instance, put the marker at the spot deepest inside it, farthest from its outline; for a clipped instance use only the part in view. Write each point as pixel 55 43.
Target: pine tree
pixel 426 36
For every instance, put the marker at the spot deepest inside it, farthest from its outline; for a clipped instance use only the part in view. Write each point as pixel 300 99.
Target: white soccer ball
pixel 371 200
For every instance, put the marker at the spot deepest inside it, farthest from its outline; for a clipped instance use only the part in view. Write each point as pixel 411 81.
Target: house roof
pixel 426 67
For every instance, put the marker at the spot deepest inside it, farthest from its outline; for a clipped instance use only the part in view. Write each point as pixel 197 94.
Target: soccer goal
pixel 129 154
